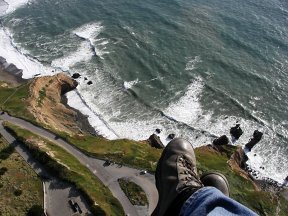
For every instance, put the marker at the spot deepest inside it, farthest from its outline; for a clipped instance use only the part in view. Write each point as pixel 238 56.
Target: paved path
pixel 108 175
pixel 56 193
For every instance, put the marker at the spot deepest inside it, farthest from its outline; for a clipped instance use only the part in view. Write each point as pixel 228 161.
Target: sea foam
pixel 14 4
pixel 12 54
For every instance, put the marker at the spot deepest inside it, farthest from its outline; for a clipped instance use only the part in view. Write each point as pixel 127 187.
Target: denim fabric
pixel 211 201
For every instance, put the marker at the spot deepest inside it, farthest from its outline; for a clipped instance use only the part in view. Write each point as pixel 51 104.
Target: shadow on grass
pixel 6 152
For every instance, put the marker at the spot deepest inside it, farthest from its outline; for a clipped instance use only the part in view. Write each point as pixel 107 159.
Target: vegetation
pixel 14 101
pixel 63 165
pixel 241 189
pixel 134 193
pixel 36 210
pixel 122 151
pixel 42 95
pixel 20 187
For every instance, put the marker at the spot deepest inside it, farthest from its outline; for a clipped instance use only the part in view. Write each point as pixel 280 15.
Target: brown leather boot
pixel 216 180
pixel 176 177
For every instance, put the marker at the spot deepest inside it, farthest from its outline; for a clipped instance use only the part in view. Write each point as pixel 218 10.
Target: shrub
pixel 17 192
pixel 36 210
pixel 3 170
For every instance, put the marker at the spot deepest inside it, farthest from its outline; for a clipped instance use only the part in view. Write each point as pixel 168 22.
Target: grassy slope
pixel 77 173
pixel 18 176
pixel 124 151
pixel 13 100
pixel 241 189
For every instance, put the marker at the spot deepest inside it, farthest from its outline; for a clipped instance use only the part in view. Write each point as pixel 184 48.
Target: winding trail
pixel 108 175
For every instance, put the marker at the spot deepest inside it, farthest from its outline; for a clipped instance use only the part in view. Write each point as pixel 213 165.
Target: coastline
pixel 10 73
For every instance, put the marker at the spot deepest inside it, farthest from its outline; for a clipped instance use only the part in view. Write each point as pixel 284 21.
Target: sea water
pixel 190 67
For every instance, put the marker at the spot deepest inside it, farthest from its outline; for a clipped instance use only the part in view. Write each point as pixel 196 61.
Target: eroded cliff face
pixel 45 103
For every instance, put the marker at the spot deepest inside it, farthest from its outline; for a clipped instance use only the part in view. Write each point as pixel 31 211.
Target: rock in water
pixel 171 136
pixel 155 141
pixel 158 130
pixel 236 131
pixel 89 83
pixel 222 140
pixel 76 75
pixel 257 136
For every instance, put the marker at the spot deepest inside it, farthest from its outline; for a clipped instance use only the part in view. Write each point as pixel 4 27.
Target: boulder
pixel 171 136
pixel 155 141
pixel 76 75
pixel 222 140
pixel 89 83
pixel 236 131
pixel 158 130
pixel 257 136
pixel 85 78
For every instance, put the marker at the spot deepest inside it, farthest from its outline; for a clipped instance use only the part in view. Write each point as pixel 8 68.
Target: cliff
pixel 44 103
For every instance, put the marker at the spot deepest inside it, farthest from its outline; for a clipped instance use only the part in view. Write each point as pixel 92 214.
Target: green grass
pixel 241 189
pixel 68 168
pixel 42 95
pixel 20 187
pixel 127 152
pixel 134 193
pixel 14 101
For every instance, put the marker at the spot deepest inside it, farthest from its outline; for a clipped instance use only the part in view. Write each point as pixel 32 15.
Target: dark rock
pixel 76 75
pixel 240 158
pixel 158 130
pixel 171 136
pixel 236 131
pixel 89 83
pixel 85 78
pixel 286 179
pixel 254 155
pixel 14 70
pixel 2 60
pixel 257 136
pixel 155 141
pixel 222 140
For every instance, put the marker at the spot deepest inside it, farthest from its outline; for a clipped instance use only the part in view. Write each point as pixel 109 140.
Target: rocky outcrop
pixel 76 75
pixel 155 141
pixel 257 136
pixel 158 130
pixel 222 140
pixel 45 103
pixel 240 158
pixel 236 131
pixel 171 136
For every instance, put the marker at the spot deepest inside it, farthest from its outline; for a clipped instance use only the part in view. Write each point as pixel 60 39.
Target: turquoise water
pixel 192 68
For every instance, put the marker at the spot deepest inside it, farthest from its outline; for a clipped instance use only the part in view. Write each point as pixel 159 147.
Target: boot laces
pixel 188 175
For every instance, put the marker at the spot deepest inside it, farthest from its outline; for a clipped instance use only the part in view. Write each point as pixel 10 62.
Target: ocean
pixel 189 67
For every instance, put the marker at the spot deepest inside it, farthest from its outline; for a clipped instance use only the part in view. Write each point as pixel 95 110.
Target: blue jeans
pixel 211 201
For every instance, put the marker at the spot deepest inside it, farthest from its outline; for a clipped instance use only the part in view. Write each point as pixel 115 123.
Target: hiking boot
pixel 216 180
pixel 176 177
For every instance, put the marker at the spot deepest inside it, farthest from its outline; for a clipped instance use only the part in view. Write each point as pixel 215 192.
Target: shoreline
pixel 82 120
pixel 11 74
